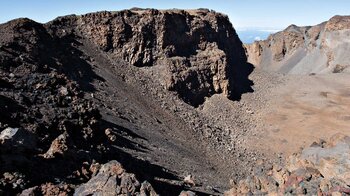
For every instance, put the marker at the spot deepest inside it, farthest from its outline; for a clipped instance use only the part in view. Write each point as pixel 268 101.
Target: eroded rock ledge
pixel 198 51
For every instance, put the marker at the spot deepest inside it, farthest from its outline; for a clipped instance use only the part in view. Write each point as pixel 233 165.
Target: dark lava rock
pixel 51 131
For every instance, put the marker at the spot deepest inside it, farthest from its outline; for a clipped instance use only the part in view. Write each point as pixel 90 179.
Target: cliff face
pixel 198 50
pixel 302 50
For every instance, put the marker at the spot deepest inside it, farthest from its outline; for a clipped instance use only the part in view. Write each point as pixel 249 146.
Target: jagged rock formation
pixel 198 51
pixel 303 50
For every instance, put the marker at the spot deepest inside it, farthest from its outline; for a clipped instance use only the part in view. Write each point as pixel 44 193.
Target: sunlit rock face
pixel 303 50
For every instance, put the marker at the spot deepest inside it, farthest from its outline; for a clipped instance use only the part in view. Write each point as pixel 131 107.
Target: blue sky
pixel 275 14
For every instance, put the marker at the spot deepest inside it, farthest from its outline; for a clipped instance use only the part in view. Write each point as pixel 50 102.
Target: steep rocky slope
pixel 79 92
pixel 323 48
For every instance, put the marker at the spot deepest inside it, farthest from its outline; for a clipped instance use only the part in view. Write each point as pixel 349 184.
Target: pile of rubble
pixel 321 169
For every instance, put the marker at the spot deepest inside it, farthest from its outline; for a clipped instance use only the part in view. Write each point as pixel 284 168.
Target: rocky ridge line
pixel 304 50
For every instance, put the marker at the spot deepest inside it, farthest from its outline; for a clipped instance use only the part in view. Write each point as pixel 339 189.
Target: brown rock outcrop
pixel 303 50
pixel 198 51
pixel 338 23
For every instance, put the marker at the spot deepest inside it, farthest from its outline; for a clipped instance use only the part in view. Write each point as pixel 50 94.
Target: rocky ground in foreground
pixel 121 103
pixel 321 169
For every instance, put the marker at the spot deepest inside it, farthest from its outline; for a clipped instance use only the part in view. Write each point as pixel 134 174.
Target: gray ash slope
pixel 323 48
pixel 126 86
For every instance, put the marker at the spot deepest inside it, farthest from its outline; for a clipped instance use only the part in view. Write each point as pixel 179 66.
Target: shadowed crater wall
pixel 198 51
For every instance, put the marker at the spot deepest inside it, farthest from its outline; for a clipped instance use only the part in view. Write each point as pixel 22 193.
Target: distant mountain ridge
pixel 323 48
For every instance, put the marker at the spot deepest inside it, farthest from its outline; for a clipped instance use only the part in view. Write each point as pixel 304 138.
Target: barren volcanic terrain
pixel 311 99
pixel 148 102
pixel 123 86
pixel 303 109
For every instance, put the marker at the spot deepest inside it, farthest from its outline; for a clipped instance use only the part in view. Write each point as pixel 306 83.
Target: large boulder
pixel 112 179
